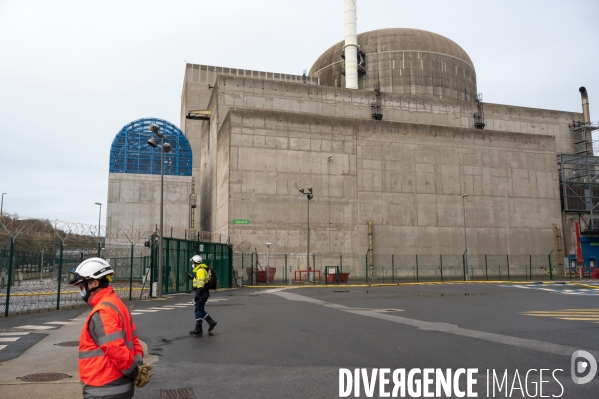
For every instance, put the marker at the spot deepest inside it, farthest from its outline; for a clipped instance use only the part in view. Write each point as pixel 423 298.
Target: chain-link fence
pixel 267 268
pixel 37 255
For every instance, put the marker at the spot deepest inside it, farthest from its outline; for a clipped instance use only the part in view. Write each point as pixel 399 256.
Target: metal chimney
pixel 351 45
pixel 586 115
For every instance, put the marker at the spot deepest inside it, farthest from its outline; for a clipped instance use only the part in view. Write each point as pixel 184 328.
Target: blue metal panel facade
pixel 130 152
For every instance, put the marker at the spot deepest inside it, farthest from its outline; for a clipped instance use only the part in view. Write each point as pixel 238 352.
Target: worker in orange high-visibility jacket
pixel 110 354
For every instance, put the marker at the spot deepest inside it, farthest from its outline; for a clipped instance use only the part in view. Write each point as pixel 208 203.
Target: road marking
pixel 64 323
pixel 14 333
pixel 2 347
pixel 567 314
pixel 36 327
pixel 147 310
pixel 540 346
pixel 592 291
pixel 135 313
pixel 9 339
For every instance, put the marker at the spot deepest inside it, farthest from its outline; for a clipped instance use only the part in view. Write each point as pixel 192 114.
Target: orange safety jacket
pixel 109 349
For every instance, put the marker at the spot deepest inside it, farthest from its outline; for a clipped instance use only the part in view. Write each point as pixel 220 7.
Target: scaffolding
pixel 579 184
pixel 582 137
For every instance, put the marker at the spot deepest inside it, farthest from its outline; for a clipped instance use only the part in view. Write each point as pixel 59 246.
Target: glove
pixel 142 375
pixel 190 276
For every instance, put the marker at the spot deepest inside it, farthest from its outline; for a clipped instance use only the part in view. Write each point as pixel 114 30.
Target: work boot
pixel 197 331
pixel 211 322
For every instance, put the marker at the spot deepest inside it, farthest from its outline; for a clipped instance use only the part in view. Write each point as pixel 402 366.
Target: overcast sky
pixel 73 73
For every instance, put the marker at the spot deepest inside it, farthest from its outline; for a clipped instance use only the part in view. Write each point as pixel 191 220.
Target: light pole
pixel 308 195
pixel 99 218
pixel 267 263
pixel 164 147
pixel 465 240
pixel 2 204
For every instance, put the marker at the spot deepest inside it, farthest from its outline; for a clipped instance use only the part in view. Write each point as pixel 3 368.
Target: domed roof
pixel 397 39
pixel 131 153
pixel 408 61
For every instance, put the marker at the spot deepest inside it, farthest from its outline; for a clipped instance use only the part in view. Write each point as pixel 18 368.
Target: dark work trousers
pixel 201 297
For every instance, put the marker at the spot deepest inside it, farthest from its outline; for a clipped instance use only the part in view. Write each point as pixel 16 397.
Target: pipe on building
pixel 351 45
pixel 586 115
pixel 370 254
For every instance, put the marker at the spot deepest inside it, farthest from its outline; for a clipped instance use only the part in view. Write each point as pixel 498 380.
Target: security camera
pixel 166 147
pixel 310 189
pixel 301 190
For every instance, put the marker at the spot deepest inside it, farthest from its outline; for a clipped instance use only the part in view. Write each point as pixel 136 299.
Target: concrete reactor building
pixel 400 152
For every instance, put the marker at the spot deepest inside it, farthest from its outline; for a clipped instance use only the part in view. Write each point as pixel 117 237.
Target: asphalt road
pixel 292 343
pixel 273 343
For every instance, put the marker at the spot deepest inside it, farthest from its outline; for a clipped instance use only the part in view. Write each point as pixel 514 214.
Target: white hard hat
pixel 196 259
pixel 92 268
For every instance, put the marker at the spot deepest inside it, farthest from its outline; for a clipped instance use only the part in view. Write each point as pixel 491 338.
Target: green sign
pixel 595 244
pixel 241 221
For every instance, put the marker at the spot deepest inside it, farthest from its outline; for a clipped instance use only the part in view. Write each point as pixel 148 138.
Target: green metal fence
pixel 260 268
pixel 178 252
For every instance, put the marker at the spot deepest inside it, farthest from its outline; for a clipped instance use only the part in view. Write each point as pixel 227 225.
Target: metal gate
pixel 176 264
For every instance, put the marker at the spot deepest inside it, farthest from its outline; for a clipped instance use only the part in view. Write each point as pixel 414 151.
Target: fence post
pixel 530 266
pixel 416 268
pixel 59 275
pixel 366 268
pixel 486 268
pixel 177 279
pixel 392 269
pixel 441 260
pixel 9 282
pixel 551 268
pixel 314 269
pixel 340 266
pixel 131 274
pixel 285 271
pixel 507 257
pixel 99 247
pixel 252 270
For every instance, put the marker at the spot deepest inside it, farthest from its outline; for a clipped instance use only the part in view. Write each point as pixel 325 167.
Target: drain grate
pixel 68 343
pixel 179 393
pixel 44 377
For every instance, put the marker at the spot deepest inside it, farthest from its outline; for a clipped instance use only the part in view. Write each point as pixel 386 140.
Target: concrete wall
pixel 509 169
pixel 331 101
pixel 406 178
pixel 134 202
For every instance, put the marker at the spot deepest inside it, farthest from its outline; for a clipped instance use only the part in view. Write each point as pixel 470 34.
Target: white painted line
pixel 58 322
pixel 547 347
pixel 36 327
pixel 2 347
pixel 9 339
pixel 15 333
pixel 155 308
pixel 147 310
pixel 135 313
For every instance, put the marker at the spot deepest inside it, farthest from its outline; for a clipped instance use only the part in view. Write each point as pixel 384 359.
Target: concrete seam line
pixel 556 349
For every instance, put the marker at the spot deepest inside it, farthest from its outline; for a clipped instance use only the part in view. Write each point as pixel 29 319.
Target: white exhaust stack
pixel 351 45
